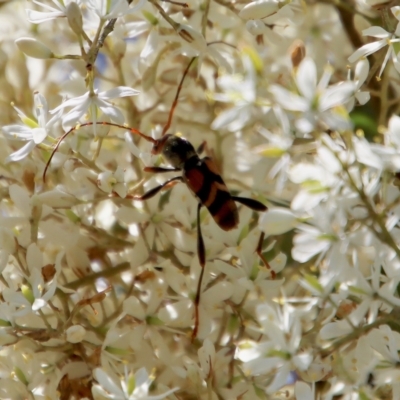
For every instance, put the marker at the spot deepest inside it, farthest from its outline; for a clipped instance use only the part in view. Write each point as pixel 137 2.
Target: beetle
pixel 204 181
pixel 201 177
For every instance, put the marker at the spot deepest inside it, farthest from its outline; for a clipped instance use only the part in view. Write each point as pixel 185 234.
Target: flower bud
pixel 75 333
pixel 259 9
pixel 195 38
pixel 33 48
pixel 74 17
pixel 118 46
pixel 112 182
pixel 255 27
pixel 106 181
pixel 48 272
pixel 297 52
pixel 28 293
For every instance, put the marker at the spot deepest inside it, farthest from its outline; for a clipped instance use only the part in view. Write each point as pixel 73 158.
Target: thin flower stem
pixel 98 149
pixel 67 57
pixel 384 234
pixel 204 19
pixel 94 49
pixel 377 63
pixel 383 112
pixel 222 42
pixel 177 3
pixel 86 37
pixel 44 318
pixel 36 216
pixel 107 30
pixel 90 279
pixel 335 306
pixel 387 20
pixel 353 336
pixel 174 24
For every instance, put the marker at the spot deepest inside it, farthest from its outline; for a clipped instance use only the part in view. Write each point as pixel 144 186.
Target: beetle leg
pixel 257 206
pixel 158 170
pixel 154 191
pixel 260 254
pixel 202 147
pixel 201 254
pixel 251 203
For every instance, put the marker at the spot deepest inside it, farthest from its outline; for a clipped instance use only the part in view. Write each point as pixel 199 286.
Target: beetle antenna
pixel 172 110
pixel 60 140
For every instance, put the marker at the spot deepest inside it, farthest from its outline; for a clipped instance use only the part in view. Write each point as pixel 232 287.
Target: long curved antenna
pixel 171 111
pixel 132 130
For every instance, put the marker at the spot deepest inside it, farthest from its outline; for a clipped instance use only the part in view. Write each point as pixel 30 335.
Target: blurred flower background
pixel 297 103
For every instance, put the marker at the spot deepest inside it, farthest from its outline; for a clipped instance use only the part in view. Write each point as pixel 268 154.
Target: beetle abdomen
pixel 206 183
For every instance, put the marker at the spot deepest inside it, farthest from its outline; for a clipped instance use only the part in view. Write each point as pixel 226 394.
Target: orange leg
pixel 154 191
pixel 263 259
pixel 256 206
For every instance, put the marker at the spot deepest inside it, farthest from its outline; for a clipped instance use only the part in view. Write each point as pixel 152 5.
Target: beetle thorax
pixel 177 151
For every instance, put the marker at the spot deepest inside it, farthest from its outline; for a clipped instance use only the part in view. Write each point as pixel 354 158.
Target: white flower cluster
pixel 297 106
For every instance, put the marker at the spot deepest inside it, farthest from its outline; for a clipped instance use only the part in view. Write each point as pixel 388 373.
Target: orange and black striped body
pixel 203 179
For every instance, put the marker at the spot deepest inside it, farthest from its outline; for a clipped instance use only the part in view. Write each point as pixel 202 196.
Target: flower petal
pixel 120 91
pixel 21 153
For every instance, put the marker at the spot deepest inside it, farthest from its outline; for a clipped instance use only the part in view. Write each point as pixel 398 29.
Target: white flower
pixel 241 91
pixel 278 147
pixel 112 182
pixel 107 9
pixel 259 9
pixel 277 221
pixel 36 17
pixel 303 391
pixel 32 132
pixel 91 102
pixel 282 352
pixel 390 154
pixel 317 102
pixel 360 75
pixel 149 27
pixel 41 285
pixel 193 44
pixel 386 39
pixel 131 387
pixel 34 48
pixel 309 242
